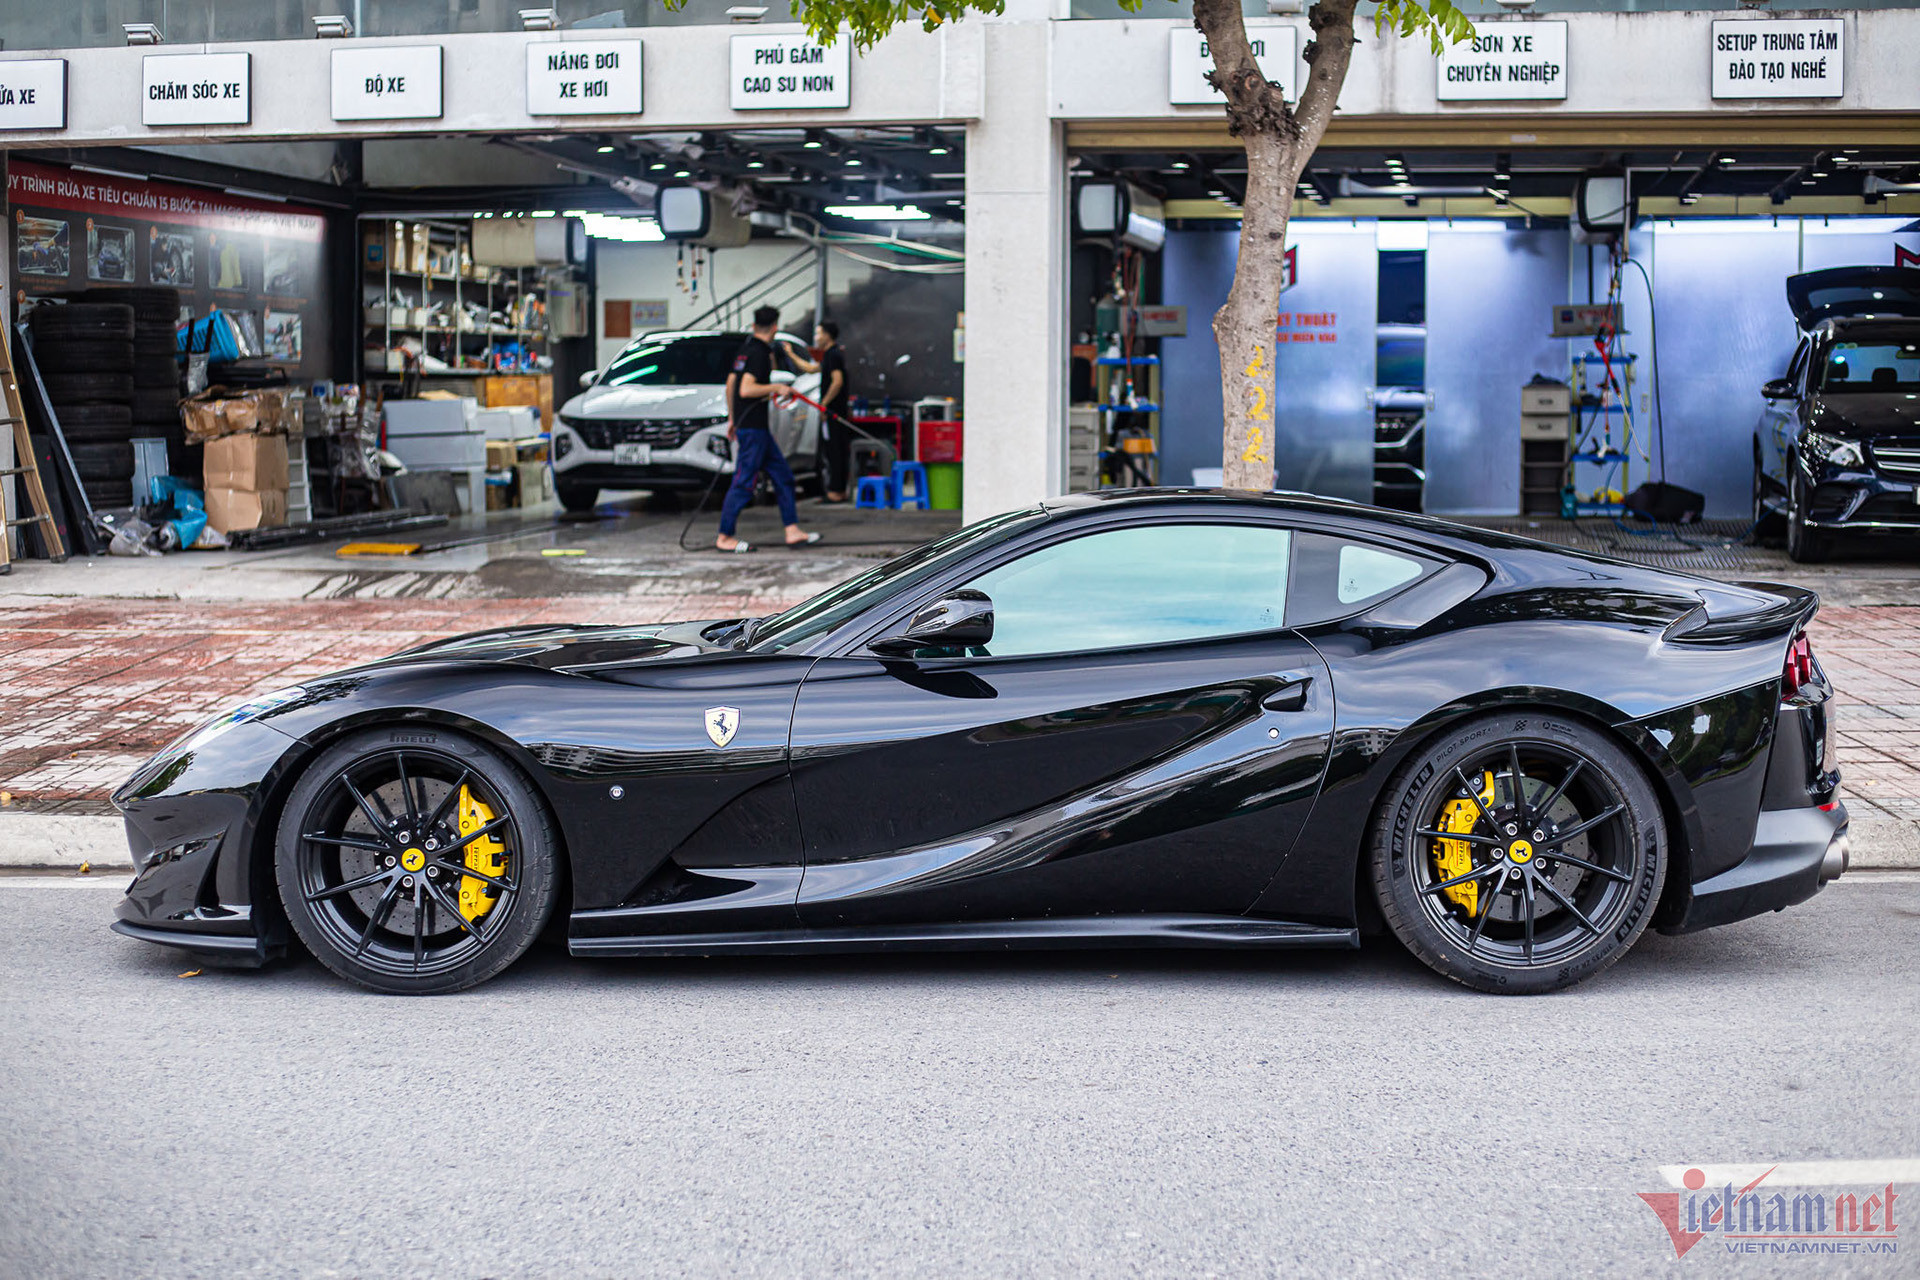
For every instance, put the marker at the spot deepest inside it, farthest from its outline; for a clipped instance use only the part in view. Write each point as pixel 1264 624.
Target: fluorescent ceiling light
pixel 610 226
pixel 879 212
pixel 1401 233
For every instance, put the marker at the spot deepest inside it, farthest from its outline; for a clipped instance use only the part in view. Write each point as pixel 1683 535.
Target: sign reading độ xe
pixel 196 88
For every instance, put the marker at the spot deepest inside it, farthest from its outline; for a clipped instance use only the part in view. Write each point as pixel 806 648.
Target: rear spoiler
pixel 1744 611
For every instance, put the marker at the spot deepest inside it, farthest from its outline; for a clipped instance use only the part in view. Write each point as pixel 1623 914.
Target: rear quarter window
pixel 1336 577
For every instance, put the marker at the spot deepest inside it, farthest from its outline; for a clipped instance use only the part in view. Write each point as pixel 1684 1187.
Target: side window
pixel 1335 577
pixel 1141 586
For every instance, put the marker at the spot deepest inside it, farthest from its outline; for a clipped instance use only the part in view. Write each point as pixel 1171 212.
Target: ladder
pixel 24 464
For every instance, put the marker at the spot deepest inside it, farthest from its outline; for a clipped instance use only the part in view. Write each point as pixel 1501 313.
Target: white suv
pixel 656 418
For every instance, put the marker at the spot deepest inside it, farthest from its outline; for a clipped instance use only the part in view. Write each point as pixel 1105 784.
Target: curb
pixel 65 841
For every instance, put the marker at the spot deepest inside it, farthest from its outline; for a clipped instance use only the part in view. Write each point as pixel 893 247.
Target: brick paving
pixel 90 687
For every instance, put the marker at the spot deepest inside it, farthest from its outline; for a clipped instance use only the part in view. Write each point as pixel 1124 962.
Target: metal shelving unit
pixel 490 287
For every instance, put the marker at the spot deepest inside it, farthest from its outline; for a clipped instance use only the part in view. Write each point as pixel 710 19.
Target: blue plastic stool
pixel 919 497
pixel 873 492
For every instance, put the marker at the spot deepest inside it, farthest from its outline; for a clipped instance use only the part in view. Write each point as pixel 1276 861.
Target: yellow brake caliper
pixel 486 855
pixel 1455 857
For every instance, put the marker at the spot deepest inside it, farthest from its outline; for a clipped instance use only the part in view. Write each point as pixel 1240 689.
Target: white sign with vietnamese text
pixel 33 94
pixel 1505 62
pixel 583 78
pixel 196 88
pixel 790 71
pixel 387 82
pixel 1276 50
pixel 1779 58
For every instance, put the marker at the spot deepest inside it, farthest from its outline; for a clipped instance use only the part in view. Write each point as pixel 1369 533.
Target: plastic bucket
pixel 943 485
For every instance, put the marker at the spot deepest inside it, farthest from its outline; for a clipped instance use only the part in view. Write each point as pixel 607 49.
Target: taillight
pixel 1799 668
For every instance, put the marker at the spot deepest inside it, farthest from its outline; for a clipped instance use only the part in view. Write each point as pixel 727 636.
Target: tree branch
pixel 1254 106
pixel 1328 56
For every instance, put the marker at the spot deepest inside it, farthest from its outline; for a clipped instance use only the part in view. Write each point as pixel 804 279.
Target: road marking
pixel 1800 1173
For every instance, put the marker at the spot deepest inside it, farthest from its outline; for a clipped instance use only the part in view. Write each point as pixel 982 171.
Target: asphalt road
pixel 1091 1114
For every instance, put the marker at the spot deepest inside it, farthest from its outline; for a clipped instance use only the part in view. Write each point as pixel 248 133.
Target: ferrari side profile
pixel 1154 718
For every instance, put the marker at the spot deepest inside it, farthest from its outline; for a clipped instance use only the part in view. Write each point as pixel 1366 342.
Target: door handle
pixel 1290 696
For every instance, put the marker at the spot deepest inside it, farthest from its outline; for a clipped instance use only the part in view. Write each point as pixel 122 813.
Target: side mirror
pixel 1778 389
pixel 960 620
pixel 586 379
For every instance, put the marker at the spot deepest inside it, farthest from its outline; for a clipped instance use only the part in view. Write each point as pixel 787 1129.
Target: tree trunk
pixel 1279 139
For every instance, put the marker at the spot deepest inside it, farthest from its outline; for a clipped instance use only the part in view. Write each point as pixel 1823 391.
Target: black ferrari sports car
pixel 1159 718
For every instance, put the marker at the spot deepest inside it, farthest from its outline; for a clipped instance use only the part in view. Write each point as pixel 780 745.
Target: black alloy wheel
pixel 1521 854
pixel 1805 545
pixel 1766 521
pixel 576 498
pixel 415 861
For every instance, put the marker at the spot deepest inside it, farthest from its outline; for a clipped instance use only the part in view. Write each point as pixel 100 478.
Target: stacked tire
pixel 85 354
pixel 156 369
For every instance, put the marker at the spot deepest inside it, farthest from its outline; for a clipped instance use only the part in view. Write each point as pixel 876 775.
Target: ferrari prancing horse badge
pixel 722 724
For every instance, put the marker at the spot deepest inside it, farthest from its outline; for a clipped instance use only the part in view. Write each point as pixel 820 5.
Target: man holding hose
pixel 750 392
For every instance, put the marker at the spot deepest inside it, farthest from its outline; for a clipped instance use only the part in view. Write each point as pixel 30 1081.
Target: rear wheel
pixel 1519 854
pixel 576 498
pixel 415 861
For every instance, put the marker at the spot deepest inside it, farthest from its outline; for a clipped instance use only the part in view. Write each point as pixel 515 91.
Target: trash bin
pixel 943 485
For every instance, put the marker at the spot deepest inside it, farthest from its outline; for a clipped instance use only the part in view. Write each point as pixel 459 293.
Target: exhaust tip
pixel 1839 853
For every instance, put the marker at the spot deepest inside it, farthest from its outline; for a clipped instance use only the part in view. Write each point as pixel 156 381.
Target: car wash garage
pixel 401 323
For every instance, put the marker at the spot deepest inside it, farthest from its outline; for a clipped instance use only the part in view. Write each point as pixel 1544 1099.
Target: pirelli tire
pixel 371 849
pixel 82 322
pixel 89 388
pixel 1565 869
pixel 90 422
pixel 84 356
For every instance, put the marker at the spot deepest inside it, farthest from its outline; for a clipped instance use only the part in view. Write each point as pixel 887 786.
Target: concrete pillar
pixel 1014 383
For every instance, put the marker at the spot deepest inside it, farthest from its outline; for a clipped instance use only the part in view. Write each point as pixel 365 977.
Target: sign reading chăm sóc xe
pixel 196 88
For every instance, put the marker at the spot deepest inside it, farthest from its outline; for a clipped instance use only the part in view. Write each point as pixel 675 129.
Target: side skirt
pixel 1051 934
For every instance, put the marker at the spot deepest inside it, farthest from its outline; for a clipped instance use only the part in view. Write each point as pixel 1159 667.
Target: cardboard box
pixel 532 482
pixel 431 418
pixel 248 463
pixel 501 454
pixel 510 422
pixel 230 509
pixel 214 414
pixel 534 389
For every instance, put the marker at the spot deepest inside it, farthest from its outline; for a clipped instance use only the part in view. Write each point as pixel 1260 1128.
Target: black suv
pixel 1837 449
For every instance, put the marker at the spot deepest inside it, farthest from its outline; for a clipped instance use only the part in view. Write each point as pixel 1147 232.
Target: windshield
pixel 674 362
pixel 831 608
pixel 1891 365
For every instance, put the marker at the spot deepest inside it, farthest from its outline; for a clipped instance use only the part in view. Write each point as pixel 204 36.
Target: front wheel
pixel 1519 854
pixel 575 497
pixel 1805 545
pixel 415 861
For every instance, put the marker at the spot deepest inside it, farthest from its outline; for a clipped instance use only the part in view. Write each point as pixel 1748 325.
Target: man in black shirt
pixel 835 435
pixel 750 391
